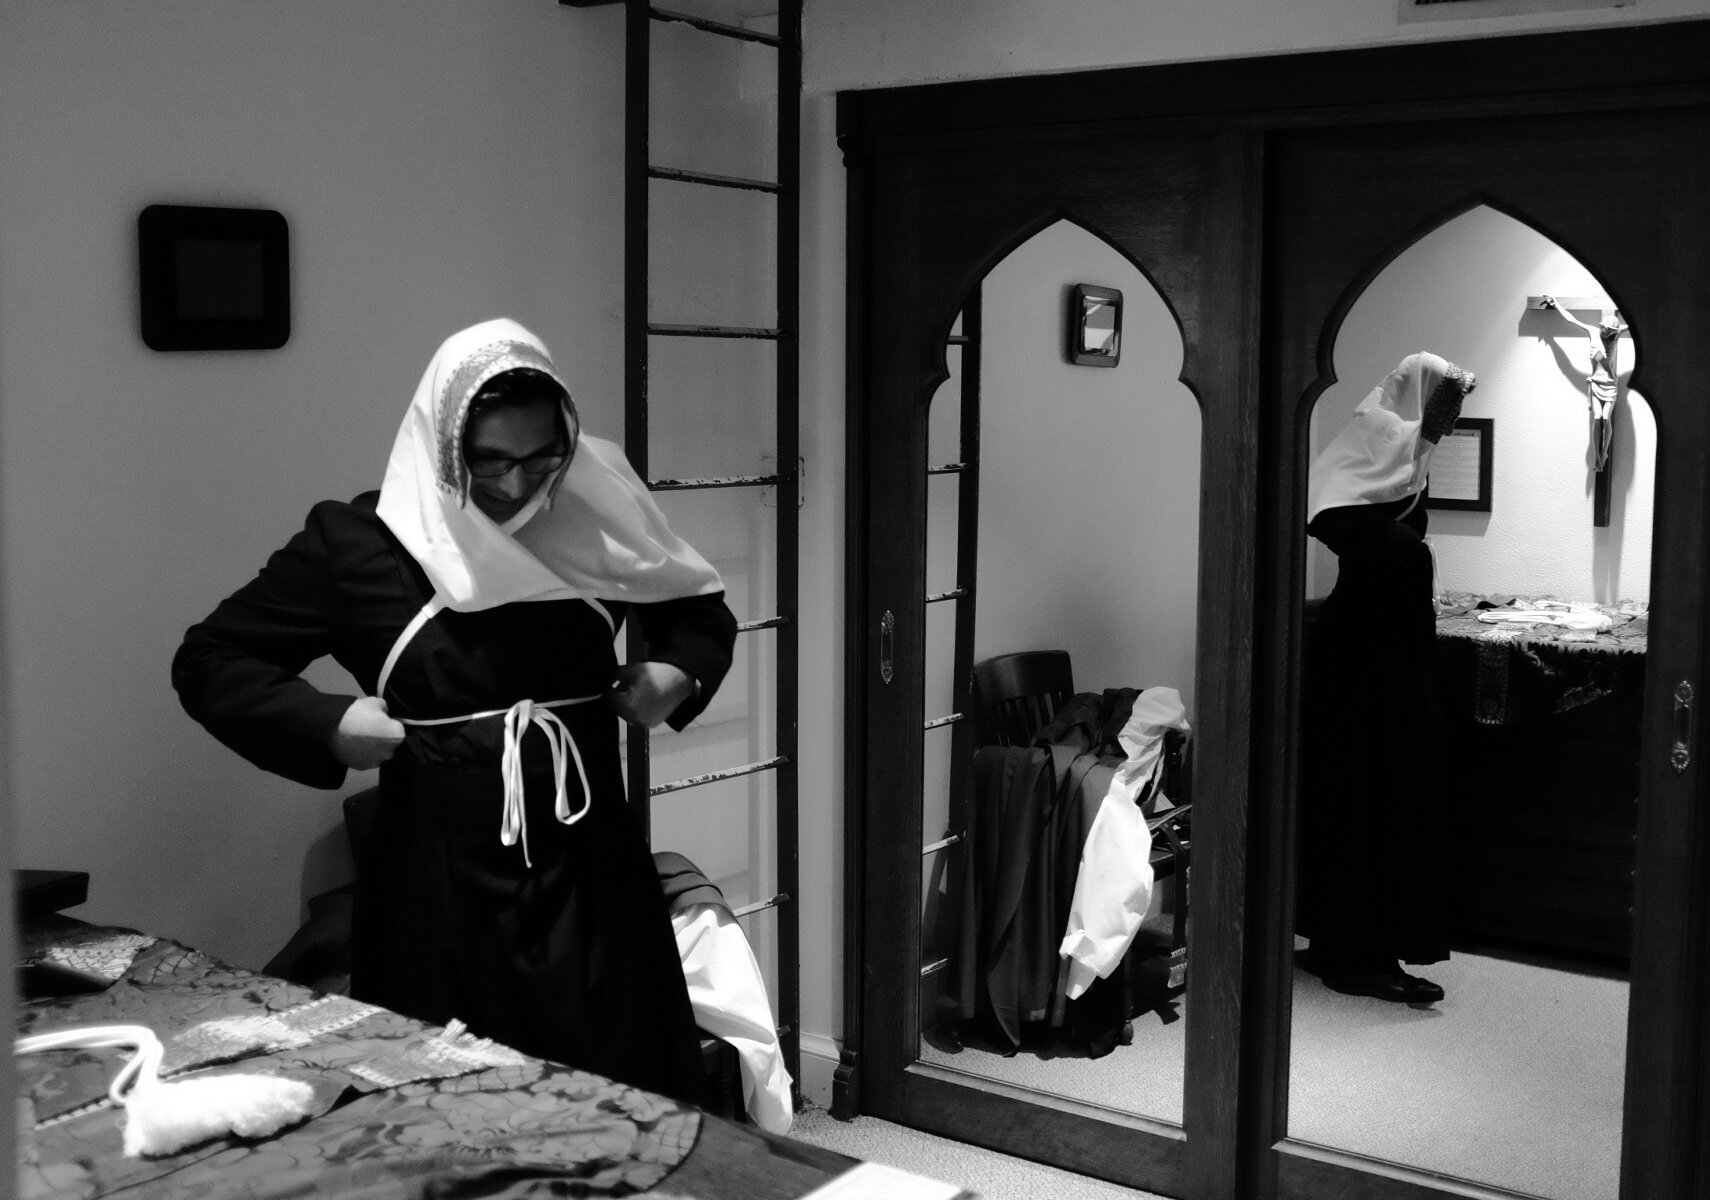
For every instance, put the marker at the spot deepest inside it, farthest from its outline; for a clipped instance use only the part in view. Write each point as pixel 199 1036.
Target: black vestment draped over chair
pixel 1030 811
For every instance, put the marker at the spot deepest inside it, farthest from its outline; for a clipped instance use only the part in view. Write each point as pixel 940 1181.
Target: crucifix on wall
pixel 1602 385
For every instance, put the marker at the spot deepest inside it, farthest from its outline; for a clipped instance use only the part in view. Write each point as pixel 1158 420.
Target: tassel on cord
pixel 163 1118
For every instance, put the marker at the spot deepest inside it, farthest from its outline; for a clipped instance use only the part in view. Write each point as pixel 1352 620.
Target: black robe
pixel 1373 851
pixel 572 960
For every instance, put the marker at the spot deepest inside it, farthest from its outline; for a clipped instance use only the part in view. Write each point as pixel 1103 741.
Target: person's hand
pixel 366 736
pixel 646 693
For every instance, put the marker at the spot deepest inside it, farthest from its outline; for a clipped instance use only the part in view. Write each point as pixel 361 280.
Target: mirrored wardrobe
pixel 1283 232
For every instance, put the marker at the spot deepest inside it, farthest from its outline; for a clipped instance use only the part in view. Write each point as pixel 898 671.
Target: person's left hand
pixel 646 693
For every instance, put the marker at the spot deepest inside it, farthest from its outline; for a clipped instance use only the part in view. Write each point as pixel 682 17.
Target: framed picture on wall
pixel 1461 467
pixel 213 278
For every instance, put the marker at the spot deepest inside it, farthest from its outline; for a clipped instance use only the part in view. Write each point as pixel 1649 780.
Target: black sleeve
pixel 237 672
pixel 696 633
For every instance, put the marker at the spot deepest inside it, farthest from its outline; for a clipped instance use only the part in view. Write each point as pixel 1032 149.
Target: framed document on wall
pixel 1461 467
pixel 214 278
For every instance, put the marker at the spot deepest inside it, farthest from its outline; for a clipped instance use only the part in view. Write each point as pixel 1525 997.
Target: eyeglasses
pixel 535 465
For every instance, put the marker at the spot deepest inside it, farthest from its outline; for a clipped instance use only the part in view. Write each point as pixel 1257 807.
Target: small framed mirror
pixel 1095 325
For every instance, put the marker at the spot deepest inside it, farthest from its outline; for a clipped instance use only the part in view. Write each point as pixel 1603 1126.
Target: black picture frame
pixel 1095 326
pixel 213 278
pixel 1461 467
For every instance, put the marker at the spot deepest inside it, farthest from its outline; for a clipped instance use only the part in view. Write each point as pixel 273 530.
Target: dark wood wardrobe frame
pixel 1177 167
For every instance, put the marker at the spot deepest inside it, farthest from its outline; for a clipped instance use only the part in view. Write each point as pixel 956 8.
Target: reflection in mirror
pixel 1470 717
pixel 1063 517
pixel 1095 326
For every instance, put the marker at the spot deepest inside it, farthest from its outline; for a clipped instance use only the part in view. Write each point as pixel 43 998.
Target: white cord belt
pixel 513 824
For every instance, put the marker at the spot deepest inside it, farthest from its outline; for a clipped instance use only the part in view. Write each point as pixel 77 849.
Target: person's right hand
pixel 366 736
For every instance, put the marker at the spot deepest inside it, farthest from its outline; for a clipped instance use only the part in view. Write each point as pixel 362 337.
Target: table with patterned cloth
pixel 400 1109
pixel 1459 615
pixel 1541 725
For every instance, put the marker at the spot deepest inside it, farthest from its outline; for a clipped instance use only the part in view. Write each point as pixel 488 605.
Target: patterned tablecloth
pixel 401 1109
pixel 1516 670
pixel 1458 617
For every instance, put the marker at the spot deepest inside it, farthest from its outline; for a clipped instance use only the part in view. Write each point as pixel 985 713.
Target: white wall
pixel 1089 476
pixel 1461 292
pixel 439 163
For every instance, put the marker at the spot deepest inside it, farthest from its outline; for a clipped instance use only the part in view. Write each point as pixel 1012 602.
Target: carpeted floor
pixel 1515 1079
pixel 990 1175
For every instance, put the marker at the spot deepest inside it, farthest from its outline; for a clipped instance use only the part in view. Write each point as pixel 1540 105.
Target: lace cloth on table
pixel 97 955
pixel 228 1038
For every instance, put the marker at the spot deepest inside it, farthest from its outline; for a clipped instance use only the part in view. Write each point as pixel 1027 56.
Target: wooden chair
pixel 1170 860
pixel 1015 695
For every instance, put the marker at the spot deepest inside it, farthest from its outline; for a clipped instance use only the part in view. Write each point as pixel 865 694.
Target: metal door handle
pixel 887 645
pixel 1681 755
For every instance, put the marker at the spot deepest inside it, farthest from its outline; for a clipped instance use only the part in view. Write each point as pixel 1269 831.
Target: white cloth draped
pixel 1114 883
pixel 728 995
pixel 1379 455
pixel 1583 617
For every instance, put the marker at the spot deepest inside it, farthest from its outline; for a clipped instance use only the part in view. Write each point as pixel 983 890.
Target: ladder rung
pixel 678 175
pixel 718 27
pixel 935 847
pixel 932 968
pixel 719 481
pixel 714 776
pixel 761 905
pixel 938 722
pixel 762 623
pixel 952 594
pixel 959 339
pixel 955 468
pixel 715 331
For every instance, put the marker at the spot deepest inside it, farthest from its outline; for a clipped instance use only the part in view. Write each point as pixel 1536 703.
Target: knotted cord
pixel 513 824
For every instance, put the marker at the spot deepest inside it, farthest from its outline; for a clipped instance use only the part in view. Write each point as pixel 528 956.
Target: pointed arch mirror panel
pixel 1468 797
pixel 1486 900
pixel 1090 511
pixel 1058 808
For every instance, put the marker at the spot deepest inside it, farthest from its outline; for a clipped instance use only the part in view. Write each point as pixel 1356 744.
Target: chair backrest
pixel 1017 694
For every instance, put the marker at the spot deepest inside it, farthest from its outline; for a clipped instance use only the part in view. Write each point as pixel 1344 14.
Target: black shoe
pixel 1391 984
pixel 1421 991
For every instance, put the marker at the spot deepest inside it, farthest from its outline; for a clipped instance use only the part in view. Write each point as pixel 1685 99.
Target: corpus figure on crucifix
pixel 1599 389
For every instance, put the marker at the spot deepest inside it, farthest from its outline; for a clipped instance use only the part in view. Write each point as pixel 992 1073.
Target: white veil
pixel 1379 455
pixel 592 530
